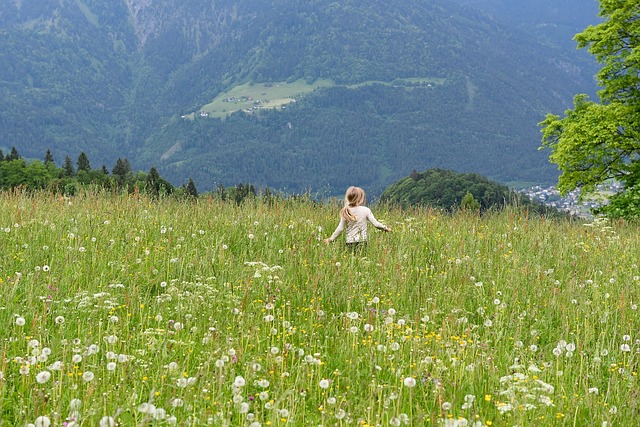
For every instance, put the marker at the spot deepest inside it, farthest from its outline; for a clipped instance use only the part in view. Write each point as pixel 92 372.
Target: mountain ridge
pixel 114 80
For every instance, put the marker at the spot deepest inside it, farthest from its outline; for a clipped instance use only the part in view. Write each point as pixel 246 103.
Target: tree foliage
pixel 83 163
pixel 440 188
pixel 15 172
pixel 598 141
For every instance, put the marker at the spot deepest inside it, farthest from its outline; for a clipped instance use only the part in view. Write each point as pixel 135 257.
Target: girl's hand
pixel 327 241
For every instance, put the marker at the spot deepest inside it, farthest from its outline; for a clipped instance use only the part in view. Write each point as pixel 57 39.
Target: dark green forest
pixel 113 79
pixel 370 136
pixel 445 189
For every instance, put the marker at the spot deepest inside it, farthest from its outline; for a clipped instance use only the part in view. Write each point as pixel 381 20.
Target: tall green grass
pixel 123 310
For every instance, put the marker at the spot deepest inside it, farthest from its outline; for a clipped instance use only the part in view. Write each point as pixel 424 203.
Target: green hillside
pixel 450 191
pixel 116 81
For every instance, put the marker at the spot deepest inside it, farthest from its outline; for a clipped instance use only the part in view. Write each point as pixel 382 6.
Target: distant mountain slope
pixel 113 79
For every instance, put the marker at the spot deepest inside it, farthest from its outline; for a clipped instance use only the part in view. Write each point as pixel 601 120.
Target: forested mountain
pixel 412 84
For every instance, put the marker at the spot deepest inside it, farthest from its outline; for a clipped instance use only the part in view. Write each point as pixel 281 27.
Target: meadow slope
pixel 121 310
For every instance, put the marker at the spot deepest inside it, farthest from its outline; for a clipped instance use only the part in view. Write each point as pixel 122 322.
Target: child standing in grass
pixel 354 216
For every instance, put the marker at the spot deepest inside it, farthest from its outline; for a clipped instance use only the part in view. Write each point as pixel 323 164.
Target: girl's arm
pixel 377 224
pixel 337 232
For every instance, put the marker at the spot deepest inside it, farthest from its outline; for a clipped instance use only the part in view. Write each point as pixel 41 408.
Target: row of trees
pixel 15 172
pixel 68 178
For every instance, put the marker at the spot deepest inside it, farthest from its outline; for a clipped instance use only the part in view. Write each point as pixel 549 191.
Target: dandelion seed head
pixel 42 421
pixel 410 382
pixel 107 421
pixel 43 377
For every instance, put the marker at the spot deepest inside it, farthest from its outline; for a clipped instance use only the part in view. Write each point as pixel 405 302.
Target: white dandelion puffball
pixel 107 421
pixel 88 376
pixel 20 321
pixel 43 377
pixel 324 384
pixel 42 421
pixel 239 381
pixel 410 382
pixel 75 404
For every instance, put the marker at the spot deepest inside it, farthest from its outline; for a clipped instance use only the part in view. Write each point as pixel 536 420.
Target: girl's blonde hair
pixel 355 196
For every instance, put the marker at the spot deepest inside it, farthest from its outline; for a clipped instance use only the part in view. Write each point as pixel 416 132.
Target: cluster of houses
pixel 240 99
pixel 570 202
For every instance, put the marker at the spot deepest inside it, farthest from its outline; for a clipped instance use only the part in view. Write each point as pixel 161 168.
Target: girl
pixel 354 217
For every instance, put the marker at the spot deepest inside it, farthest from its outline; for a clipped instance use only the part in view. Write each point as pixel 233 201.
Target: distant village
pixel 255 104
pixel 570 203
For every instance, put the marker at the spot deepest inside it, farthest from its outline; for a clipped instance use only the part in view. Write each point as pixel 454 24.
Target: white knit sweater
pixel 357 230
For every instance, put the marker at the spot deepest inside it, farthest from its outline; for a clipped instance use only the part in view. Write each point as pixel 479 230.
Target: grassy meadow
pixel 270 95
pixel 120 310
pixel 276 95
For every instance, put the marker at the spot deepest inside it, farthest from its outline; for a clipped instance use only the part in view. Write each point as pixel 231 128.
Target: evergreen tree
pixel 122 170
pixel 158 186
pixel 1 156
pixel 239 193
pixel 191 190
pixel 48 157
pixel 14 154
pixel 105 171
pixel 222 193
pixel 83 163
pixel 68 167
